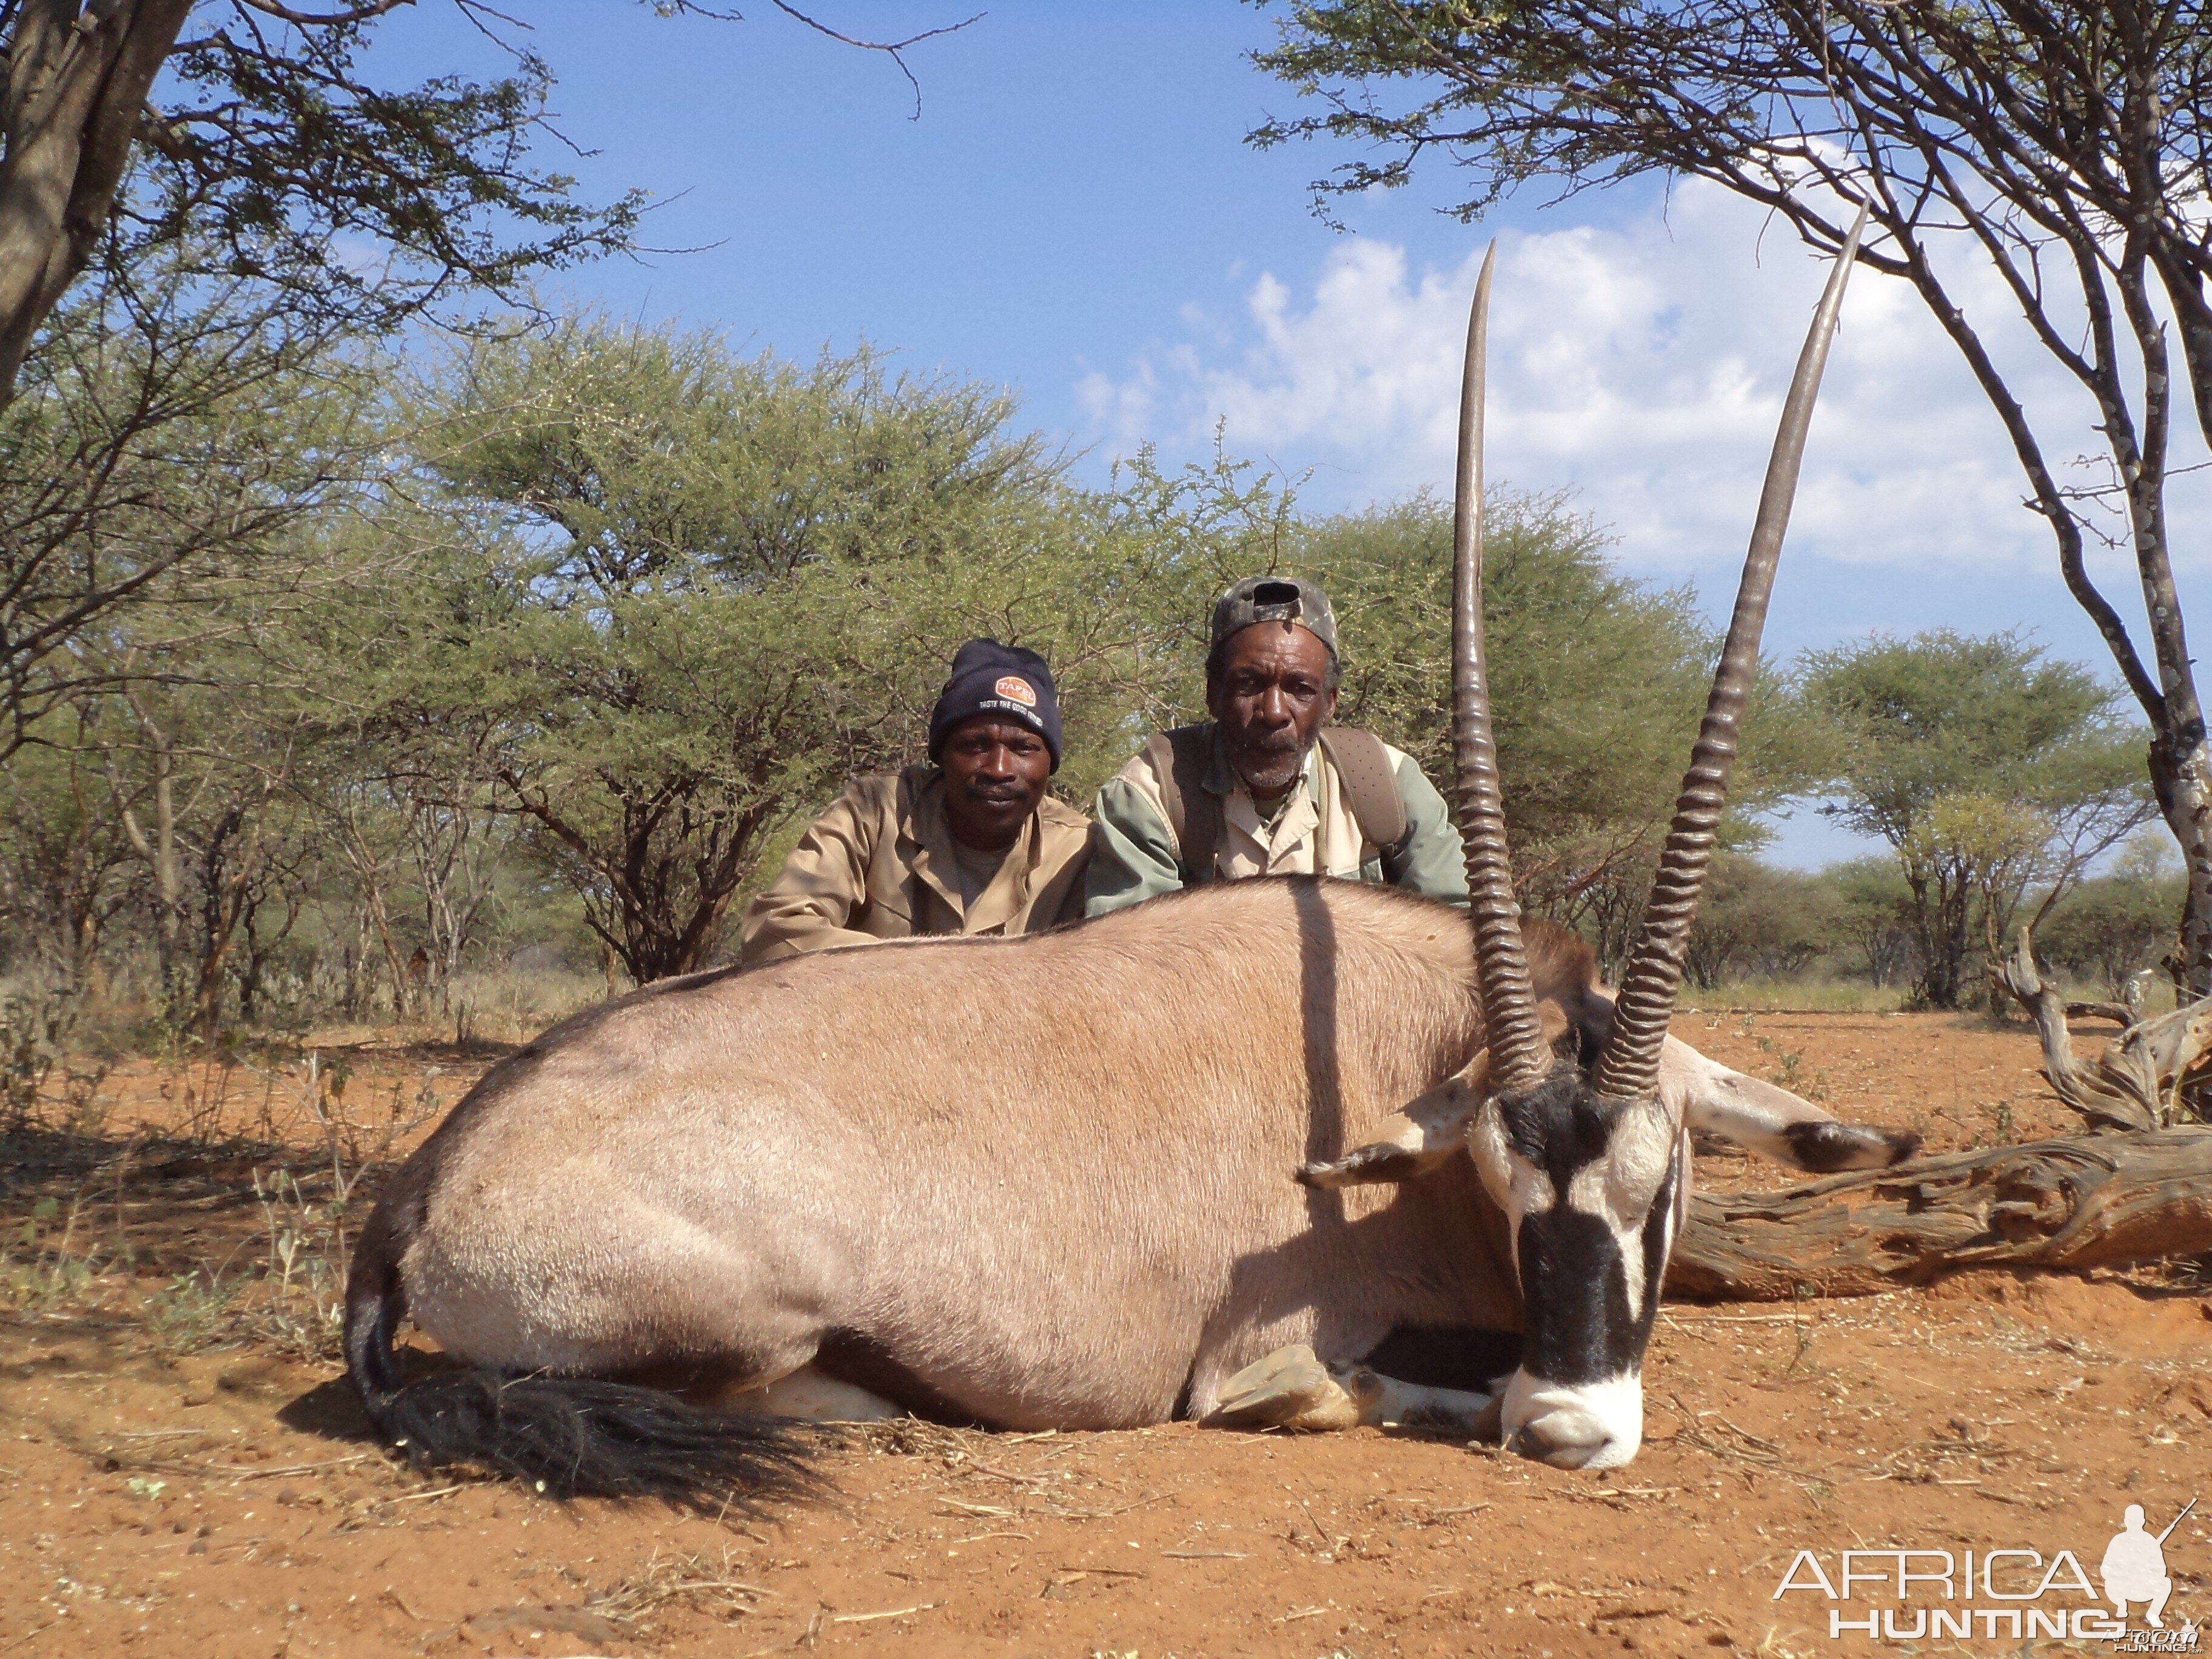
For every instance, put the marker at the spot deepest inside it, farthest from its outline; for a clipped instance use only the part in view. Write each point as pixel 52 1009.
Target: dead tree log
pixel 2121 1014
pixel 2136 1082
pixel 2096 1200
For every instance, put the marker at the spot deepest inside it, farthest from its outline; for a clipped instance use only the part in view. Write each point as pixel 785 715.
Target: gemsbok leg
pixel 1292 1388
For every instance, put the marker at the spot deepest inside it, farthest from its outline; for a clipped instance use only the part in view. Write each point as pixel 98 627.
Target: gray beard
pixel 1281 772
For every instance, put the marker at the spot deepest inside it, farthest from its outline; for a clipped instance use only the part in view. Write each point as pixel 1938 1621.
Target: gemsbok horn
pixel 1592 1168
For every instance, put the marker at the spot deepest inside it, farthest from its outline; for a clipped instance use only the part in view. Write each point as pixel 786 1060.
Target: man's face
pixel 1271 702
pixel 995 773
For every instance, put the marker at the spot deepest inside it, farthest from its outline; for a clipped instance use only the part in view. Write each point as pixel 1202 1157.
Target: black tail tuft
pixel 577 1436
pixel 569 1437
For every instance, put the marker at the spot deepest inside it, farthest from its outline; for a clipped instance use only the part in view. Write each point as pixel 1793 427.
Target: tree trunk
pixel 369 870
pixel 159 851
pixel 664 879
pixel 1939 916
pixel 373 910
pixel 227 870
pixel 452 853
pixel 2182 780
pixel 356 967
pixel 75 87
pixel 2102 1200
pixel 168 886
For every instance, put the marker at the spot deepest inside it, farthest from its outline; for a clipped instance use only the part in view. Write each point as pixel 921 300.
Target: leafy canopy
pixel 1943 714
pixel 1988 766
pixel 2059 146
pixel 691 594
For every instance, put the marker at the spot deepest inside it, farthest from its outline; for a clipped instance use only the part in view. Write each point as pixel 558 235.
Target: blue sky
pixel 1076 215
pixel 1077 178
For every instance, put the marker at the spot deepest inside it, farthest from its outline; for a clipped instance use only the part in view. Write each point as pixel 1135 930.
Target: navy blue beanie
pixel 1001 680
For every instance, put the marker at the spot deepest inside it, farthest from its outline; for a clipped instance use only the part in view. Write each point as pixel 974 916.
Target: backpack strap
pixel 1179 760
pixel 1369 782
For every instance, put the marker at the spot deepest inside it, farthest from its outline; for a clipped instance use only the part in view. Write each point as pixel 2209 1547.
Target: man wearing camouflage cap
pixel 1267 787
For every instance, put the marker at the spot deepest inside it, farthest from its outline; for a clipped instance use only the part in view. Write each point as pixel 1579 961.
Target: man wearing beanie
pixel 969 843
pixel 1268 787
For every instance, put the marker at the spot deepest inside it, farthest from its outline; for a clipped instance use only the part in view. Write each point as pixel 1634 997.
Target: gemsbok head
pixel 1590 1165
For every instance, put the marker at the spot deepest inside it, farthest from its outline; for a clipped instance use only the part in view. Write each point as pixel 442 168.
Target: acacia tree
pixel 156 476
pixel 66 868
pixel 1988 766
pixel 679 596
pixel 1756 919
pixel 1872 910
pixel 168 433
pixel 267 143
pixel 241 162
pixel 255 128
pixel 2114 928
pixel 2064 142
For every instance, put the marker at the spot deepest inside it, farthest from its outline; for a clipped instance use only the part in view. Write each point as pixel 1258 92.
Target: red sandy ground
pixel 222 1502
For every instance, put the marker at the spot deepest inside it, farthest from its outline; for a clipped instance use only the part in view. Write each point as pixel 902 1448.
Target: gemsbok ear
pixel 1421 1138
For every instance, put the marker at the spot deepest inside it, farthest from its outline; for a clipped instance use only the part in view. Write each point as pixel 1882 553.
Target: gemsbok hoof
pixel 1291 1388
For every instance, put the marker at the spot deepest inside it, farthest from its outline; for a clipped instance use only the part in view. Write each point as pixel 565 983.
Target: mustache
pixel 1284 742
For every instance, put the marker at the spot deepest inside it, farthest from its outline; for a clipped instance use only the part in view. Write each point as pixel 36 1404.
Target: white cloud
pixel 1642 363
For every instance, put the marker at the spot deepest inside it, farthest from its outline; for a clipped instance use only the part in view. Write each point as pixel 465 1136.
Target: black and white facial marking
pixel 1595 1192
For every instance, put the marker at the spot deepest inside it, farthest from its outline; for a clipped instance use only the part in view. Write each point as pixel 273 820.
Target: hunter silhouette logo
pixel 2134 1568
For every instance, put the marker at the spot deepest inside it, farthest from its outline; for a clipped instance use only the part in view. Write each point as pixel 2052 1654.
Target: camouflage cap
pixel 1274 598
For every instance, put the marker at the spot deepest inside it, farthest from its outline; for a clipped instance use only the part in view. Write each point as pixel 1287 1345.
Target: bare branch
pixel 366 12
pixel 892 49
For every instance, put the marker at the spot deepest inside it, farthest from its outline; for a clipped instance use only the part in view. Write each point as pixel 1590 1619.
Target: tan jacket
pixel 879 865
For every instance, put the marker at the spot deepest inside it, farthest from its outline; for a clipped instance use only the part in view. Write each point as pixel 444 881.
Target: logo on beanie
pixel 1017 689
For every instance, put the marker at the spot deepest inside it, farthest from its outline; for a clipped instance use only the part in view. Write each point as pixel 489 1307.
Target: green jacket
pixel 1134 854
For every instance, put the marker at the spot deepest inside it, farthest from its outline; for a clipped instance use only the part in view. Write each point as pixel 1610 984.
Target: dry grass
pixel 1810 995
pixel 206 1197
pixel 498 1006
pixel 1771 996
pixel 699 1583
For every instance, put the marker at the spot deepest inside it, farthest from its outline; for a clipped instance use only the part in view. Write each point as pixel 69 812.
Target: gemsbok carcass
pixel 1049 1181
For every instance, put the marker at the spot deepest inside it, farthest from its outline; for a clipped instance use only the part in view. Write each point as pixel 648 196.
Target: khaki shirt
pixel 1135 855
pixel 880 864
